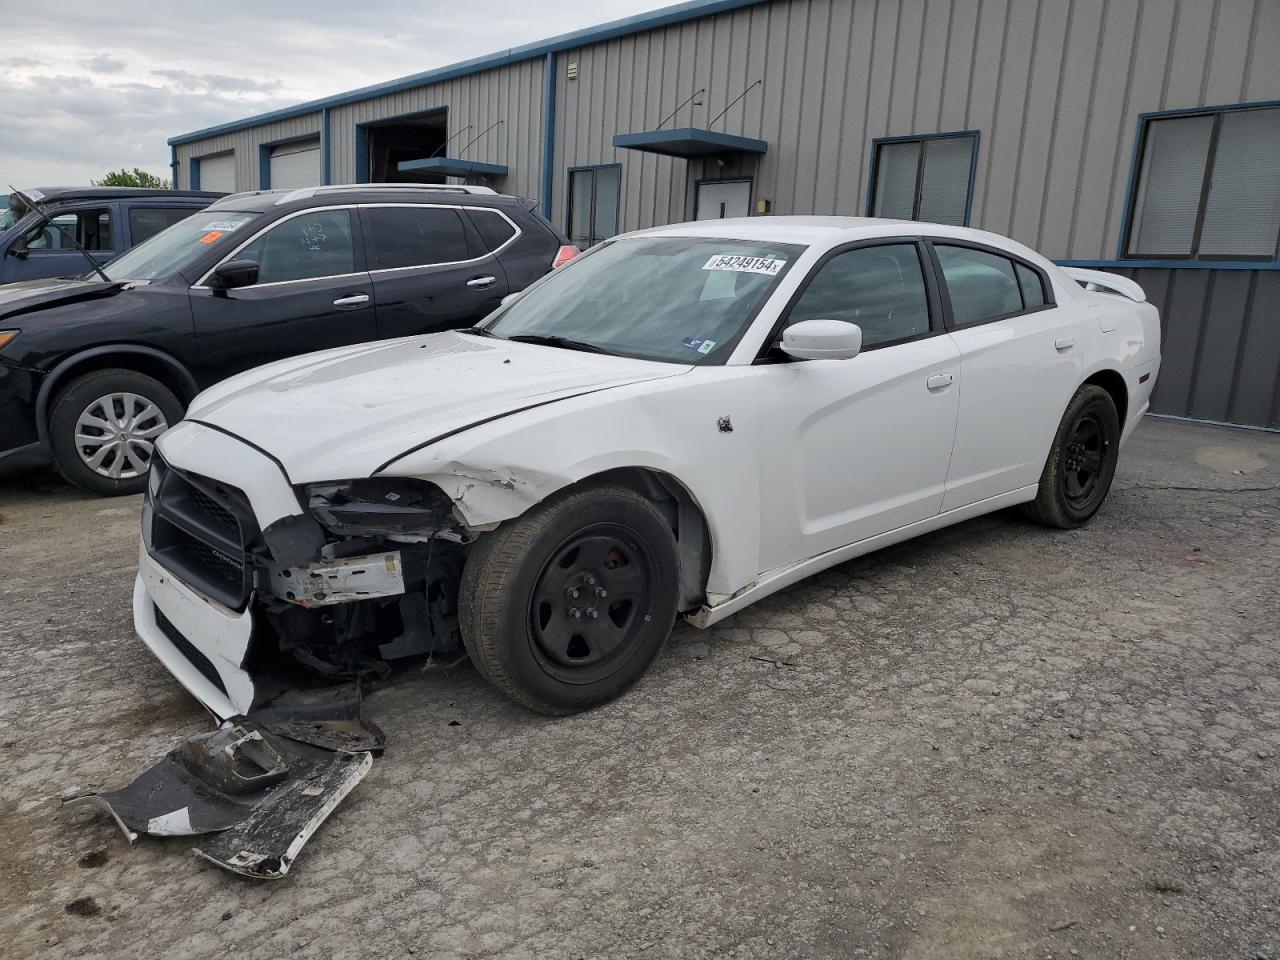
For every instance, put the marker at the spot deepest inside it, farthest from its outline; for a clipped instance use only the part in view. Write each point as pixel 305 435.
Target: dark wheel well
pixel 688 524
pixel 152 364
pixel 1113 383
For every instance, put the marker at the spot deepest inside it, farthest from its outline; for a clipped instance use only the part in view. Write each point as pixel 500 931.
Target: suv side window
pixel 146 222
pixel 305 247
pixel 880 288
pixel 413 236
pixel 982 286
pixel 494 229
pixel 91 229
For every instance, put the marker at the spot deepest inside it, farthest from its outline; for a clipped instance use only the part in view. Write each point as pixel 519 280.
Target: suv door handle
pixel 352 300
pixel 1063 344
pixel 939 381
pixel 481 283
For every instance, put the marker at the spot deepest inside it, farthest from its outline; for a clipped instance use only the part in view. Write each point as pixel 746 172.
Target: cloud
pixel 216 82
pixel 103 63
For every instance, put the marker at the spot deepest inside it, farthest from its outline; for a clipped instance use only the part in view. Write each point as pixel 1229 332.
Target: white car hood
pixel 344 413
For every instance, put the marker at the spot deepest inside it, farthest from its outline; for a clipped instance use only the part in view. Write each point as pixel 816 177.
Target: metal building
pixel 1141 136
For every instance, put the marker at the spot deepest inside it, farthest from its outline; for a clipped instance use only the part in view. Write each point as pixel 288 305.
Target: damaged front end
pixel 273 626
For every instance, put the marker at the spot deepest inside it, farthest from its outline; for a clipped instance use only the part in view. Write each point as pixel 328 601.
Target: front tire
pixel 104 426
pixel 1082 462
pixel 565 607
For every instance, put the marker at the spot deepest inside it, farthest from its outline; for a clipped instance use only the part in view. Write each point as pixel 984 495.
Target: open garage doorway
pixel 384 145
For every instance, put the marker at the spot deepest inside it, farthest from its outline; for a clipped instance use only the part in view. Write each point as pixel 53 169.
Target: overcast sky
pixel 87 87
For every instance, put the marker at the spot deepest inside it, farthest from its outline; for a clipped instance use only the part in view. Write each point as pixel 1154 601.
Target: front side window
pixel 146 222
pixel 594 196
pixel 879 288
pixel 710 289
pixel 90 228
pixel 924 178
pixel 982 286
pixel 414 236
pixel 306 247
pixel 1208 187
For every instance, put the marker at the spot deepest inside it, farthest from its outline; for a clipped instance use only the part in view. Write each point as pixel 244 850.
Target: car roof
pixel 263 200
pixel 832 231
pixel 60 194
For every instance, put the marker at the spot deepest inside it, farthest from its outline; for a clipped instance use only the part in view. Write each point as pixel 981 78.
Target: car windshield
pixel 674 299
pixel 173 250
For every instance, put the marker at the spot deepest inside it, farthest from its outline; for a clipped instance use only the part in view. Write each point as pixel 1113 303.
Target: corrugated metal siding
pixel 245 143
pixel 1221 343
pixel 1054 86
pixel 512 94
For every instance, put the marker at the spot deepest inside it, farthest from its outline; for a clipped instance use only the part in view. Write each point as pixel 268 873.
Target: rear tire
pixel 104 426
pixel 565 607
pixel 1082 461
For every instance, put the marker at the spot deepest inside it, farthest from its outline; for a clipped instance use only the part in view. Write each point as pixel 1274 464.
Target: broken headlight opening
pixel 390 507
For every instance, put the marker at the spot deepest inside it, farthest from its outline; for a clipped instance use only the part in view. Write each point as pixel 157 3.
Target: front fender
pixel 499 470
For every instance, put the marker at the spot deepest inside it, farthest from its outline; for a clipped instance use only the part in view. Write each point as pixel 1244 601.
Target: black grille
pixel 188 650
pixel 200 531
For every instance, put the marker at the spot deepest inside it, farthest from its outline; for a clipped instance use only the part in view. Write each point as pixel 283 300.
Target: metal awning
pixel 689 142
pixel 454 167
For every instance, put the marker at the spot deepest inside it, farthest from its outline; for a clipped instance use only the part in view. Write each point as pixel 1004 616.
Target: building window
pixel 594 194
pixel 1208 187
pixel 924 178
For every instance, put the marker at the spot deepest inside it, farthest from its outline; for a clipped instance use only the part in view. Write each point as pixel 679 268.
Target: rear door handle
pixel 352 300
pixel 939 381
pixel 1062 344
pixel 481 283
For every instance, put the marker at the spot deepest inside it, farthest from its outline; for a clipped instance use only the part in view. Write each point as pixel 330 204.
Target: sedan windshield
pixel 173 250
pixel 675 299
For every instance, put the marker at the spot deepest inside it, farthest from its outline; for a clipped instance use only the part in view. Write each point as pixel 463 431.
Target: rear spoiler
pixel 1106 282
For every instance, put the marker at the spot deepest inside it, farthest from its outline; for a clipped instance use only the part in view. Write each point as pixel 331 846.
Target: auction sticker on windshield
pixel 739 264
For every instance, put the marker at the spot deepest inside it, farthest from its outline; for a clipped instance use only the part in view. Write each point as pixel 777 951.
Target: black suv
pixel 93 369
pixel 106 221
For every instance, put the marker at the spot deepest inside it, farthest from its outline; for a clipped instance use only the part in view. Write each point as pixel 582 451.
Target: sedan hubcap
pixel 588 603
pixel 1083 458
pixel 116 435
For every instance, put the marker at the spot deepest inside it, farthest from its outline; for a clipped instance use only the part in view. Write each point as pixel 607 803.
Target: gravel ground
pixel 995 741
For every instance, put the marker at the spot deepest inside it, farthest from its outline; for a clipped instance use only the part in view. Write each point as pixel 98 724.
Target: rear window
pixel 494 229
pixel 398 237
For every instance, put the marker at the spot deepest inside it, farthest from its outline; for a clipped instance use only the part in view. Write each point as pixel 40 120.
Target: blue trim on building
pixel 1172 264
pixel 173 167
pixel 1139 143
pixel 194 175
pixel 454 167
pixel 688 142
pixel 548 131
pixel 691 10
pixel 873 169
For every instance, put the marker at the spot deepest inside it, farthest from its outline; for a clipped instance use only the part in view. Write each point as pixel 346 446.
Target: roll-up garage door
pixel 295 165
pixel 218 173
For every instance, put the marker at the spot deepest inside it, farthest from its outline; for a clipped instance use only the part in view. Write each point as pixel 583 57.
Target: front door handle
pixel 1063 344
pixel 482 283
pixel 939 381
pixel 351 300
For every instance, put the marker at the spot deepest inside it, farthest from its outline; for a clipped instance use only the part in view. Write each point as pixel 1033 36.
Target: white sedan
pixel 680 422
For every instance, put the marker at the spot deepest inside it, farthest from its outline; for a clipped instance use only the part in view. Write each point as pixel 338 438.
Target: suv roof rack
pixel 305 193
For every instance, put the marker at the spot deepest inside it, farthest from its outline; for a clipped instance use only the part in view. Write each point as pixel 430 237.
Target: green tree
pixel 131 178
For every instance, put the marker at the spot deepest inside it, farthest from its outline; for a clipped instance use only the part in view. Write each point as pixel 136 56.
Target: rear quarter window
pixel 494 229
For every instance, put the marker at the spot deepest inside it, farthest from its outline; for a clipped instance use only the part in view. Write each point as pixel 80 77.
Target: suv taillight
pixel 564 255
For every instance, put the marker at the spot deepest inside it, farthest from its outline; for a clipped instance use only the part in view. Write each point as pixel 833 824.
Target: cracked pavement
pixel 993 741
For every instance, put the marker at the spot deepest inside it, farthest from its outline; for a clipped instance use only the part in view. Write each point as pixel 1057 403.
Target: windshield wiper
pixel 563 342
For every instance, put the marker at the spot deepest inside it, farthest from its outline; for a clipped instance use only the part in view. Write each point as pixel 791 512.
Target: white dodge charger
pixel 680 422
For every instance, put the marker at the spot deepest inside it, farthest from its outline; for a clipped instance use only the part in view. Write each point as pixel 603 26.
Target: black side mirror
pixel 234 273
pixel 18 249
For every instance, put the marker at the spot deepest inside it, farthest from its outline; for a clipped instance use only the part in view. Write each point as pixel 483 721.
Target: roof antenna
pixel 36 208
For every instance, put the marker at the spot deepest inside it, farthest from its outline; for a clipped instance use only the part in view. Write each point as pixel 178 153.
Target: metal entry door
pixel 717 199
